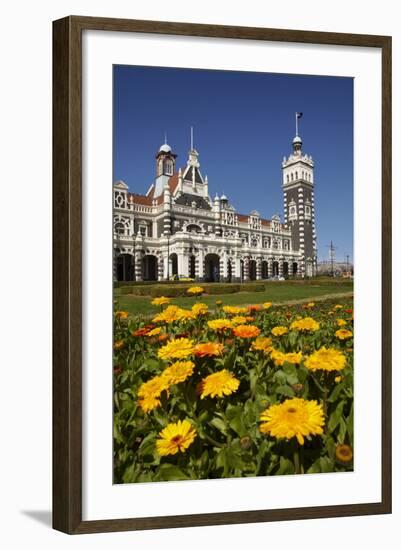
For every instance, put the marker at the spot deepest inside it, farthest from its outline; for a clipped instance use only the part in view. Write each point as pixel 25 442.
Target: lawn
pixel 277 292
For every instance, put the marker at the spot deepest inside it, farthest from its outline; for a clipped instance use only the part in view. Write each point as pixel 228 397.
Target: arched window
pixel 288 178
pixel 296 175
pixel 119 228
pixel 292 176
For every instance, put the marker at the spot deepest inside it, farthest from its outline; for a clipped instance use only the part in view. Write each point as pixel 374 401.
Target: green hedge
pixel 222 288
pixel 252 287
pixel 125 290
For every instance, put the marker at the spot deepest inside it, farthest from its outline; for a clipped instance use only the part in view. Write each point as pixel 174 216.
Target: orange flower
pixel 246 331
pixel 119 344
pixel 163 337
pixel 143 331
pixel 121 314
pixel 254 308
pixel 208 349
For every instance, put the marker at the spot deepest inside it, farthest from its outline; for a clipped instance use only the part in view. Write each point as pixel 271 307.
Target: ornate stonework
pixel 178 230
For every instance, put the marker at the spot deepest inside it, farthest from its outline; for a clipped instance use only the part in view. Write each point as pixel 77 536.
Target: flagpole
pixel 296 124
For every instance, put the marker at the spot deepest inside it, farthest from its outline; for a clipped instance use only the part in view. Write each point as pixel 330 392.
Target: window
pixel 142 230
pixel 296 175
pixel 292 177
pixel 288 178
pixel 119 228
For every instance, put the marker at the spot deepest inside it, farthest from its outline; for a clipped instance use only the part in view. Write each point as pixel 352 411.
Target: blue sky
pixel 243 126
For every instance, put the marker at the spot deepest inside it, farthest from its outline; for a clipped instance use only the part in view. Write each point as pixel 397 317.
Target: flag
pixel 299 115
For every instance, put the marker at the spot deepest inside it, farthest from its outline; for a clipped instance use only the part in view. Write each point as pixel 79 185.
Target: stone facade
pixel 177 230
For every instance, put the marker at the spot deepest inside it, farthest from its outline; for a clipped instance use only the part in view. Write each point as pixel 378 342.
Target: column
pixel 270 267
pixel 223 269
pixel 160 267
pixel 280 267
pixel 182 272
pixel 138 267
pixel 165 261
pixel 290 272
pixel 236 263
pixel 259 269
pixel 200 266
pixel 246 269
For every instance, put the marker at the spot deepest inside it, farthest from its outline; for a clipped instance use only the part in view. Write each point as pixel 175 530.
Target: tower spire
pixel 165 137
pixel 297 117
pixel 192 138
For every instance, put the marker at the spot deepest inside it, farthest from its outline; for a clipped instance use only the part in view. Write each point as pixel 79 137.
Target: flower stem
pixel 297 463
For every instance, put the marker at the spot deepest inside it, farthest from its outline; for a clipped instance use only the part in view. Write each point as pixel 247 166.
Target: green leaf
pixel 326 464
pixel 219 424
pixel 237 424
pixel 285 390
pixel 342 431
pixel 350 424
pixel 335 393
pixel 290 373
pixel 292 338
pixel 334 419
pixel 170 472
pixel 286 467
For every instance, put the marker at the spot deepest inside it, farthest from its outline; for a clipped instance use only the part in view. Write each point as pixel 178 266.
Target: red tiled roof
pixel 140 199
pixel 242 217
pixel 173 182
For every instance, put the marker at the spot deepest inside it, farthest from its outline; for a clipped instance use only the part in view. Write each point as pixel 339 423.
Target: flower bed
pixel 245 391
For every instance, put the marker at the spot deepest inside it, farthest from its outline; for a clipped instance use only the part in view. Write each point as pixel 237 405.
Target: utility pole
pixel 332 255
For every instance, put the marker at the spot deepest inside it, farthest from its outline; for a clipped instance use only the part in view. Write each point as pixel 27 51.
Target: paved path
pixel 321 298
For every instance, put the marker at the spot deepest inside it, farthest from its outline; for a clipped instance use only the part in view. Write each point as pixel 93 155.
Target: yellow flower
pixel 154 331
pixel 219 324
pixel 180 348
pixel 161 301
pixel 219 384
pixel 186 315
pixel 262 344
pixel 121 314
pixel 310 305
pixel 170 315
pixel 280 358
pixel 219 303
pixel 195 290
pixel 338 306
pixel 246 331
pixel 344 453
pixel 234 310
pixel 119 344
pixel 239 320
pixel 209 349
pixel 343 334
pixel 305 324
pixel 199 309
pixel 327 359
pixel 279 330
pixel 175 437
pixel 341 322
pixel 338 379
pixel 294 418
pixel 267 305
pixel 150 391
pixel 178 372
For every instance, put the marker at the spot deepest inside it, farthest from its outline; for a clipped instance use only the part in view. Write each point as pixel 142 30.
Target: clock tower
pixel 299 210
